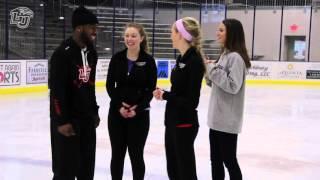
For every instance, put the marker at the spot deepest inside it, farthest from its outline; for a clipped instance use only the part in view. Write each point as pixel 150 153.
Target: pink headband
pixel 185 34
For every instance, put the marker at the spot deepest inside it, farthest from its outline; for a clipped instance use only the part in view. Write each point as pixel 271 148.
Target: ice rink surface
pixel 280 138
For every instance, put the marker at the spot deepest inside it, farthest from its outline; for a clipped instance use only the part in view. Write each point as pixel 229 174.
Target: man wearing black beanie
pixel 73 107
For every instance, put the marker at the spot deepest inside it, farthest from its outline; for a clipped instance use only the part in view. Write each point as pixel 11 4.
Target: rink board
pixel 32 75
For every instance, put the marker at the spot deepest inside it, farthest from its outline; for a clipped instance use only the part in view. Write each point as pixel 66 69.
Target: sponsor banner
pixel 313 65
pixel 279 70
pixel 102 69
pixel 260 70
pixel 162 66
pixel 313 74
pixel 37 72
pixel 10 73
pixel 290 71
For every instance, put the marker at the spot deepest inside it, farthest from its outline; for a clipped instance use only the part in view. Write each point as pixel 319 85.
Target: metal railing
pixel 21 46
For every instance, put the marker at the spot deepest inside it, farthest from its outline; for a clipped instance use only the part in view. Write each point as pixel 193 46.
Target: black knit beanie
pixel 82 16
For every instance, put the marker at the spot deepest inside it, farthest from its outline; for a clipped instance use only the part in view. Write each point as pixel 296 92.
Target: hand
pixel 133 108
pixel 124 112
pixel 128 111
pixel 208 61
pixel 66 130
pixel 132 114
pixel 126 105
pixel 158 94
pixel 132 111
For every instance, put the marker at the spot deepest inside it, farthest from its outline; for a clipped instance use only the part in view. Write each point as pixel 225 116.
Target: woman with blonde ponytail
pixel 181 116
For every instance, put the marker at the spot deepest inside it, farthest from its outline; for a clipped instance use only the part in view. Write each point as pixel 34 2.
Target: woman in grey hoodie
pixel 226 76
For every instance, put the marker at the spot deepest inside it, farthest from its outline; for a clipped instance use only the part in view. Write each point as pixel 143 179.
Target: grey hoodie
pixel 227 81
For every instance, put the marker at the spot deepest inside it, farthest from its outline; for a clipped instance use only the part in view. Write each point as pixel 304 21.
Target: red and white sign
pixel 294 28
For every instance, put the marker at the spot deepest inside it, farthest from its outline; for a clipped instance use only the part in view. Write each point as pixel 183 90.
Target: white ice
pixel 280 138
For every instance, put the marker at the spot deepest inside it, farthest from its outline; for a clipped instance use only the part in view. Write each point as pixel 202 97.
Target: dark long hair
pixel 235 39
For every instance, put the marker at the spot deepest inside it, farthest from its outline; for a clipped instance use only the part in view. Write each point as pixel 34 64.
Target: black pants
pixel 223 147
pixel 128 134
pixel 74 156
pixel 181 162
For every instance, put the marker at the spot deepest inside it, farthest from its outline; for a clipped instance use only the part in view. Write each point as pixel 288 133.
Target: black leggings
pixel 181 162
pixel 74 156
pixel 128 133
pixel 223 150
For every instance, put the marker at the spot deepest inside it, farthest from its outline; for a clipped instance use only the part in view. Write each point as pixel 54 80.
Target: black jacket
pixel 72 92
pixel 134 87
pixel 183 98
